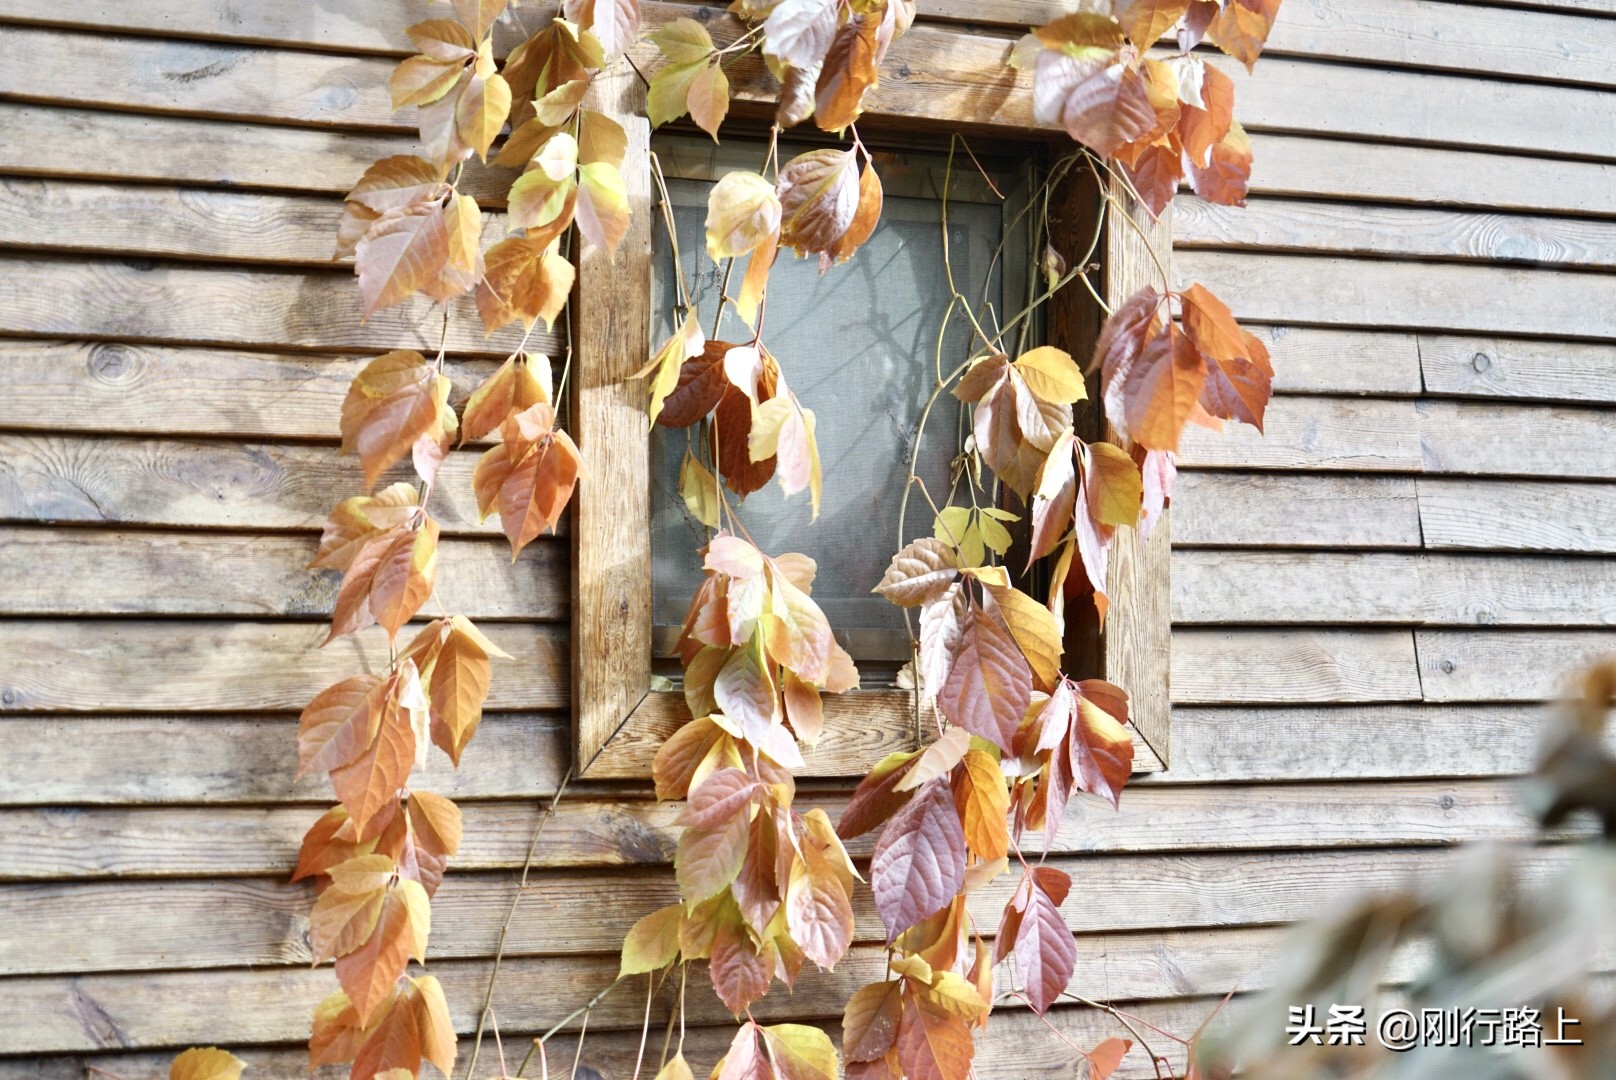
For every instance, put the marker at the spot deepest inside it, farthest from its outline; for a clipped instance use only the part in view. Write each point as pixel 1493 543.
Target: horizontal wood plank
pixel 1016 1046
pixel 1335 434
pixel 229 923
pixel 53 844
pixel 1507 665
pixel 1213 667
pixel 85 761
pixel 1521 515
pixel 203 483
pixel 1325 361
pixel 165 302
pixel 1510 368
pixel 1429 296
pixel 137 665
pixel 100 572
pixel 1324 510
pixel 1293 95
pixel 1300 588
pixel 1429 176
pixel 1517 440
pixel 1393 231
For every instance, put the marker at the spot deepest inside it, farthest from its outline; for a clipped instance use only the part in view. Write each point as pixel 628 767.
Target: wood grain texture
pixel 1325 361
pixel 163 302
pixel 189 223
pixel 112 572
pixel 1517 440
pixel 1510 368
pixel 128 843
pixel 611 551
pixel 1428 296
pixel 1518 515
pixel 195 925
pixel 118 760
pixel 137 665
pixel 1017 1046
pixel 1336 742
pixel 1294 95
pixel 157 75
pixel 1431 176
pixel 1314 433
pixel 118 386
pixel 205 484
pixel 1358 588
pixel 1212 667
pixel 1506 665
pixel 1295 510
pixel 1401 232
pixel 1137 632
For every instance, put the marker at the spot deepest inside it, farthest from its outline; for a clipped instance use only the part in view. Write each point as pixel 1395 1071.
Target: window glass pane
pixel 858 346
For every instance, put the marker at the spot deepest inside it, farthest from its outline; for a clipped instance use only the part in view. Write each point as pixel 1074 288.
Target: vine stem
pixel 505 930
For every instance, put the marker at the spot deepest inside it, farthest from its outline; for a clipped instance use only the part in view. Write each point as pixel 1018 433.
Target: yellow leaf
pixel 1114 486
pixel 956 994
pixel 742 214
pixel 1036 630
pixel 600 138
pixel 484 105
pixel 206 1063
pixel 1052 374
pixel 602 205
pixel 686 342
pixel 676 1068
pixel 653 942
pixel 421 80
pixel 913 967
pixel 666 98
pixel 708 98
pixel 684 41
pixel 699 489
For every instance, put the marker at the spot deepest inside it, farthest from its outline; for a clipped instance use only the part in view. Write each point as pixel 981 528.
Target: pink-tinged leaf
pixel 1105 1058
pixel 1121 340
pixel 1093 549
pixel 870 1021
pixel 989 685
pixel 740 975
pixel 933 1043
pixel 941 623
pixel 1046 952
pixel 757 892
pixel 938 759
pixel 1054 496
pixel 919 861
pixel 746 694
pixel 1108 109
pixel 722 795
pixel 709 859
pixel 1101 748
pixel 746 1059
pixel 877 797
pixel 819 912
pixel 920 572
pixel 1160 472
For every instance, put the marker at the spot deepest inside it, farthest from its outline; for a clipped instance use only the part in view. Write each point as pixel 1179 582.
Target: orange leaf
pixel 523 279
pixel 870 1021
pixel 1145 21
pixel 933 1043
pixel 369 783
pixel 1241 28
pixel 339 723
pixel 1104 1059
pixel 536 490
pixel 346 913
pixel 396 399
pixel 983 801
pixel 512 389
pixel 1161 389
pixel 1108 108
pixel 849 70
pixel 402 253
pixel 206 1063
pixel 1210 325
pixel 1200 129
pixel 371 972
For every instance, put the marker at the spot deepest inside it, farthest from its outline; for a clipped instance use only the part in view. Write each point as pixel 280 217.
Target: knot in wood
pixel 1481 362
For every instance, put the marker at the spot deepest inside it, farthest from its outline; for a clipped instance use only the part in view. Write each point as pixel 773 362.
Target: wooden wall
pixel 1370 602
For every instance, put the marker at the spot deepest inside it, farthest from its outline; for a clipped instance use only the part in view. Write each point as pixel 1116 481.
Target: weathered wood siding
pixel 1372 602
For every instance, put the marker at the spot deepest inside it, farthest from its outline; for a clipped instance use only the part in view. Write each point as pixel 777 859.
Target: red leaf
pixel 739 974
pixel 1108 110
pixel 1155 174
pixel 870 1021
pixel 990 683
pixel 701 384
pixel 877 798
pixel 1046 952
pixel 919 860
pixel 1161 389
pixel 723 795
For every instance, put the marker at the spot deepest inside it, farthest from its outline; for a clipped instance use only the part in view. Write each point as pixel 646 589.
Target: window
pixel 868 382
pixel 877 368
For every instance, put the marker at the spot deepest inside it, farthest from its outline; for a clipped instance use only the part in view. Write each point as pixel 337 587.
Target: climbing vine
pixel 764 888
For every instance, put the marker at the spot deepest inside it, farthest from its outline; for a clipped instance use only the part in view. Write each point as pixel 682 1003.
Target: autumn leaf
pixel 523 279
pixel 920 572
pixel 1035 629
pixel 453 657
pixel 819 911
pixel 1052 374
pixel 676 1069
pixel 1105 1058
pixel 919 861
pixel 1046 953
pixel 800 1052
pixel 683 41
pixel 484 105
pixel 819 197
pixel 1241 28
pixel 603 212
pixel 528 477
pixel 339 723
pixel 346 913
pixel 936 760
pixel 982 800
pixel 653 942
pixel 1145 21
pixel 403 252
pixel 1113 485
pixel 395 400
pixel 388 581
pixel 206 1063
pixel 1203 126
pixel 667 98
pixel 1101 748
pixel 799 32
pixel 516 386
pixel 356 520
pixel 933 1043
pixel 368 783
pixel 1107 109
pixel 989 684
pixel 848 71
pixel 434 833
pixel 870 1021
pixel 1155 174
pixel 614 23
pixel 866 217
pixel 1162 387
pixel 742 213
pixel 1224 178
pixel 708 859
pixel 877 796
pixel 421 80
pixel 370 972
pixel 707 98
pixel 739 972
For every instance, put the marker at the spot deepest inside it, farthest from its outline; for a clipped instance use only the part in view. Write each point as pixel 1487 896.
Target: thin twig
pixel 505 930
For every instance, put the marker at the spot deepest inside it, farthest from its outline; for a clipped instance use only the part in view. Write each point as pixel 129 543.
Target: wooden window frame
pixel 619 718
